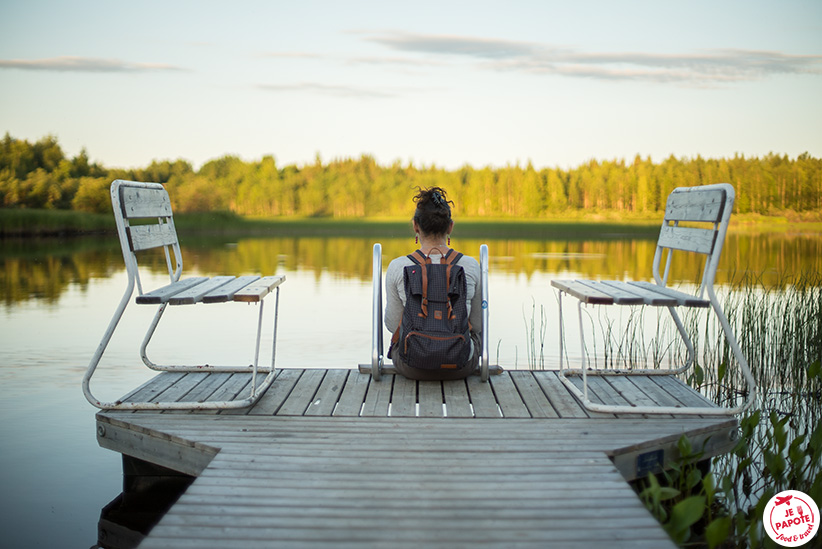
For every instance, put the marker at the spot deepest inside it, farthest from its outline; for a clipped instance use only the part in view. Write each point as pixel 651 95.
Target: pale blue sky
pixel 444 82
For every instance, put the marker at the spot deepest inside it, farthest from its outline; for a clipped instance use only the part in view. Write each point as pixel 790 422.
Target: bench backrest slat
pixel 706 205
pixel 140 203
pixel 145 237
pixel 688 239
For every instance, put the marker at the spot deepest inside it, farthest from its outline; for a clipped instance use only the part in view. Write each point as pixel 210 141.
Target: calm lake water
pixel 58 297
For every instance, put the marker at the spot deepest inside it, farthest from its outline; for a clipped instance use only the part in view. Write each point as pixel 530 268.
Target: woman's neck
pixel 437 243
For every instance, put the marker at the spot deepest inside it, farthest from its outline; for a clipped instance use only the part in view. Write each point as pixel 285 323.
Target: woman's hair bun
pixel 433 213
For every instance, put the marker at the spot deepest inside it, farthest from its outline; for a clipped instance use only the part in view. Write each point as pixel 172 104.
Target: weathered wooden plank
pixel 561 399
pixel 531 393
pixel 629 391
pixel 683 299
pixel 695 205
pixel 593 395
pixel 621 295
pixel 138 202
pixel 226 292
pixel 371 480
pixel 681 392
pixel 208 424
pixel 203 390
pixel 433 524
pixel 258 289
pixel 649 297
pixel 610 507
pixel 657 394
pixel 273 399
pixel 300 397
pixel 388 368
pixel 431 398
pixel 378 397
pixel 238 383
pixel 457 534
pixel 151 389
pixel 605 392
pixel 509 399
pixel 195 294
pixel 180 456
pixel 145 237
pixel 457 401
pixel 582 292
pixel 689 239
pixel 480 461
pixel 353 395
pixel 163 294
pixel 483 401
pixel 261 377
pixel 179 543
pixel 404 397
pixel 328 394
pixel 184 386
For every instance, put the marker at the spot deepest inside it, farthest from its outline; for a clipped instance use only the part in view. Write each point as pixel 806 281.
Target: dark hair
pixel 433 215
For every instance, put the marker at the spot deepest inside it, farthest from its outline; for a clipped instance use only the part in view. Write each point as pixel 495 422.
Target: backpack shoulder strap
pixel 419 258
pixel 422 260
pixel 451 257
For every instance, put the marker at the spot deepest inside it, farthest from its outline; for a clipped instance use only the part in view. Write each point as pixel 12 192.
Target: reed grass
pixel 779 328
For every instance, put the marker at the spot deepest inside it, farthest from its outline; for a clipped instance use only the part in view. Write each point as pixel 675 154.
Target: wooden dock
pixel 331 457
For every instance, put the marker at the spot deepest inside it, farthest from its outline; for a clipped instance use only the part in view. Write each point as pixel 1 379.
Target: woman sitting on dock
pixel 446 343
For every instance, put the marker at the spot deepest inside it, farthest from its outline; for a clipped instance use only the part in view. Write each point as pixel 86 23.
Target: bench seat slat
pixel 226 292
pixel 162 295
pixel 195 294
pixel 257 290
pixel 582 292
pixel 683 299
pixel 649 297
pixel 621 295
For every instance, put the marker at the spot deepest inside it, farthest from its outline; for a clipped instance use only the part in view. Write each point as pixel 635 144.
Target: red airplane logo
pixel 780 501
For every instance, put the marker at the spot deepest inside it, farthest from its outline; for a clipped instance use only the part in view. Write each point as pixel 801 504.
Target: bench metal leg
pixel 254 393
pixel 584 371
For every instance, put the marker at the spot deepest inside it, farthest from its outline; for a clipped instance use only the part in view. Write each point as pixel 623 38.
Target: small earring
pixel 417 239
pixel 449 239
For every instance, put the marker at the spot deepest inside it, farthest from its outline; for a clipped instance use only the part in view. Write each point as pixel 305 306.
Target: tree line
pixel 40 175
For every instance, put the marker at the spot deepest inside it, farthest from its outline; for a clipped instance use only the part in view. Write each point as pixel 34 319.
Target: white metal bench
pixel 377 356
pixel 144 220
pixel 705 211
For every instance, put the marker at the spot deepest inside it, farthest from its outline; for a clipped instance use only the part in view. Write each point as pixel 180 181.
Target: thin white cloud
pixel 326 89
pixel 83 64
pixel 708 67
pixel 391 61
pixel 291 55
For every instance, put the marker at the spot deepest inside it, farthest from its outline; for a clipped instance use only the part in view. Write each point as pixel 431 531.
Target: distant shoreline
pixel 27 223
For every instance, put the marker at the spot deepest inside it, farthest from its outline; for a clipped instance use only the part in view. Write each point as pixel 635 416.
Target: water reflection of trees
pixel 43 271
